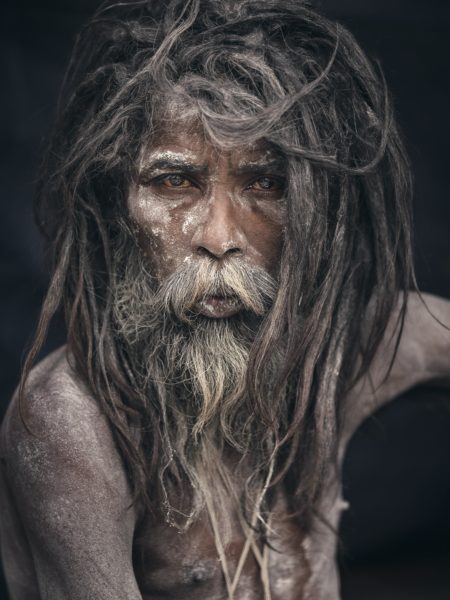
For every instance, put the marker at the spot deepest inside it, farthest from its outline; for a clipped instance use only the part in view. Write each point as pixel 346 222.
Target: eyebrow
pixel 172 163
pixel 256 168
pixel 251 168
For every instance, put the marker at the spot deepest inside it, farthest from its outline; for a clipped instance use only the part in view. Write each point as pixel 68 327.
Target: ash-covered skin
pixel 69 528
pixel 192 199
pixel 68 531
pixel 65 485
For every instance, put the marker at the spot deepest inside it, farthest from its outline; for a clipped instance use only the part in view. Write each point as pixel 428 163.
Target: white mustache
pixel 250 286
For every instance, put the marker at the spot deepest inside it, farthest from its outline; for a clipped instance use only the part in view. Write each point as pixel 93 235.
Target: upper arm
pixel 423 356
pixel 72 495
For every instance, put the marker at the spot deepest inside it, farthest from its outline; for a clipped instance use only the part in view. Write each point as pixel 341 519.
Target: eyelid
pixel 166 178
pixel 148 179
pixel 278 180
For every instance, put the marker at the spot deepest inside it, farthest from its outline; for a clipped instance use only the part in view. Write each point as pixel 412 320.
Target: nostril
pixel 217 253
pixel 204 252
pixel 234 251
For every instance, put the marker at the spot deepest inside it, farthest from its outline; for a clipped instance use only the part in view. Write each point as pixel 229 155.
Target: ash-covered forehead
pixel 179 136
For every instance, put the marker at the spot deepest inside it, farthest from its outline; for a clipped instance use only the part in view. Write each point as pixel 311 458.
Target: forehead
pixel 187 137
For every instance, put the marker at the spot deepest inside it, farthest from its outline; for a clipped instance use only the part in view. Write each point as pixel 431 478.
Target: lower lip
pixel 218 307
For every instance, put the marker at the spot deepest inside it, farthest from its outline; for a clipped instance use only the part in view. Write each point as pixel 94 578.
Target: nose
pixel 220 234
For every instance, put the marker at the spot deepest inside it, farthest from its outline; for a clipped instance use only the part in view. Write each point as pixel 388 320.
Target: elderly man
pixel 226 202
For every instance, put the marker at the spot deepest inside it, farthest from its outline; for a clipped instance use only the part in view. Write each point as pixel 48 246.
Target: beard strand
pixel 201 361
pixel 195 369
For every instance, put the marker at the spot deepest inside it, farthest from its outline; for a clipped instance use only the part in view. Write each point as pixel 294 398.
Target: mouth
pixel 218 307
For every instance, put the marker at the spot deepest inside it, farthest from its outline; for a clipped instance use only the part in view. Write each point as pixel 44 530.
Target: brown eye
pixel 266 184
pixel 175 181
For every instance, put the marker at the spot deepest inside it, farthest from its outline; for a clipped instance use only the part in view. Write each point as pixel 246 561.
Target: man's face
pixel 193 201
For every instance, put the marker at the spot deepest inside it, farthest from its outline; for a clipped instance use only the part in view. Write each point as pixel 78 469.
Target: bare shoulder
pixel 57 412
pixel 55 396
pixel 60 439
pixel 69 489
pixel 421 357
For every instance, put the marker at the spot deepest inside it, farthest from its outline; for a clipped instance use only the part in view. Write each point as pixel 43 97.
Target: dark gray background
pixel 396 535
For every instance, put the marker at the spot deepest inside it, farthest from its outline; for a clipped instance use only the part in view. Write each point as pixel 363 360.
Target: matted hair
pixel 252 69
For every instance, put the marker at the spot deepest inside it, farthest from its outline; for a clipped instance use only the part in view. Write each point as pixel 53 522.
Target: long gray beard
pixel 195 368
pixel 198 364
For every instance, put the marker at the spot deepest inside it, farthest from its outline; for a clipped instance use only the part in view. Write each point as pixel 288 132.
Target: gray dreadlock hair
pixel 271 69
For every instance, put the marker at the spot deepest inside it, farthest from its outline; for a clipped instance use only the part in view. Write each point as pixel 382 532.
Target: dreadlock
pixel 272 69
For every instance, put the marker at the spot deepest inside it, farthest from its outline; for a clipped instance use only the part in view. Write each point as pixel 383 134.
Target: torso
pixel 174 565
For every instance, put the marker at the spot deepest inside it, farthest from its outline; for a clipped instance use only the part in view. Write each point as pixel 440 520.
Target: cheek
pixel 159 231
pixel 190 220
pixel 270 246
pixel 267 234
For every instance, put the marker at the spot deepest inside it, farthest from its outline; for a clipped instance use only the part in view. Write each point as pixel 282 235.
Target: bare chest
pixel 172 564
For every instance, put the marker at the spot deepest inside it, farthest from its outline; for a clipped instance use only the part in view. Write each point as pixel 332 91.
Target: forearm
pixel 422 357
pixel 427 325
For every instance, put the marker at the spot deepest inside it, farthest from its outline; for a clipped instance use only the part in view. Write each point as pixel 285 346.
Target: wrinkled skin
pixel 192 200
pixel 67 528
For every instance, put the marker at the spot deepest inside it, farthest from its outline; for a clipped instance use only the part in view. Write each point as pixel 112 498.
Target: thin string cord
pixel 262 559
pixel 219 546
pixel 249 542
pixel 264 569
